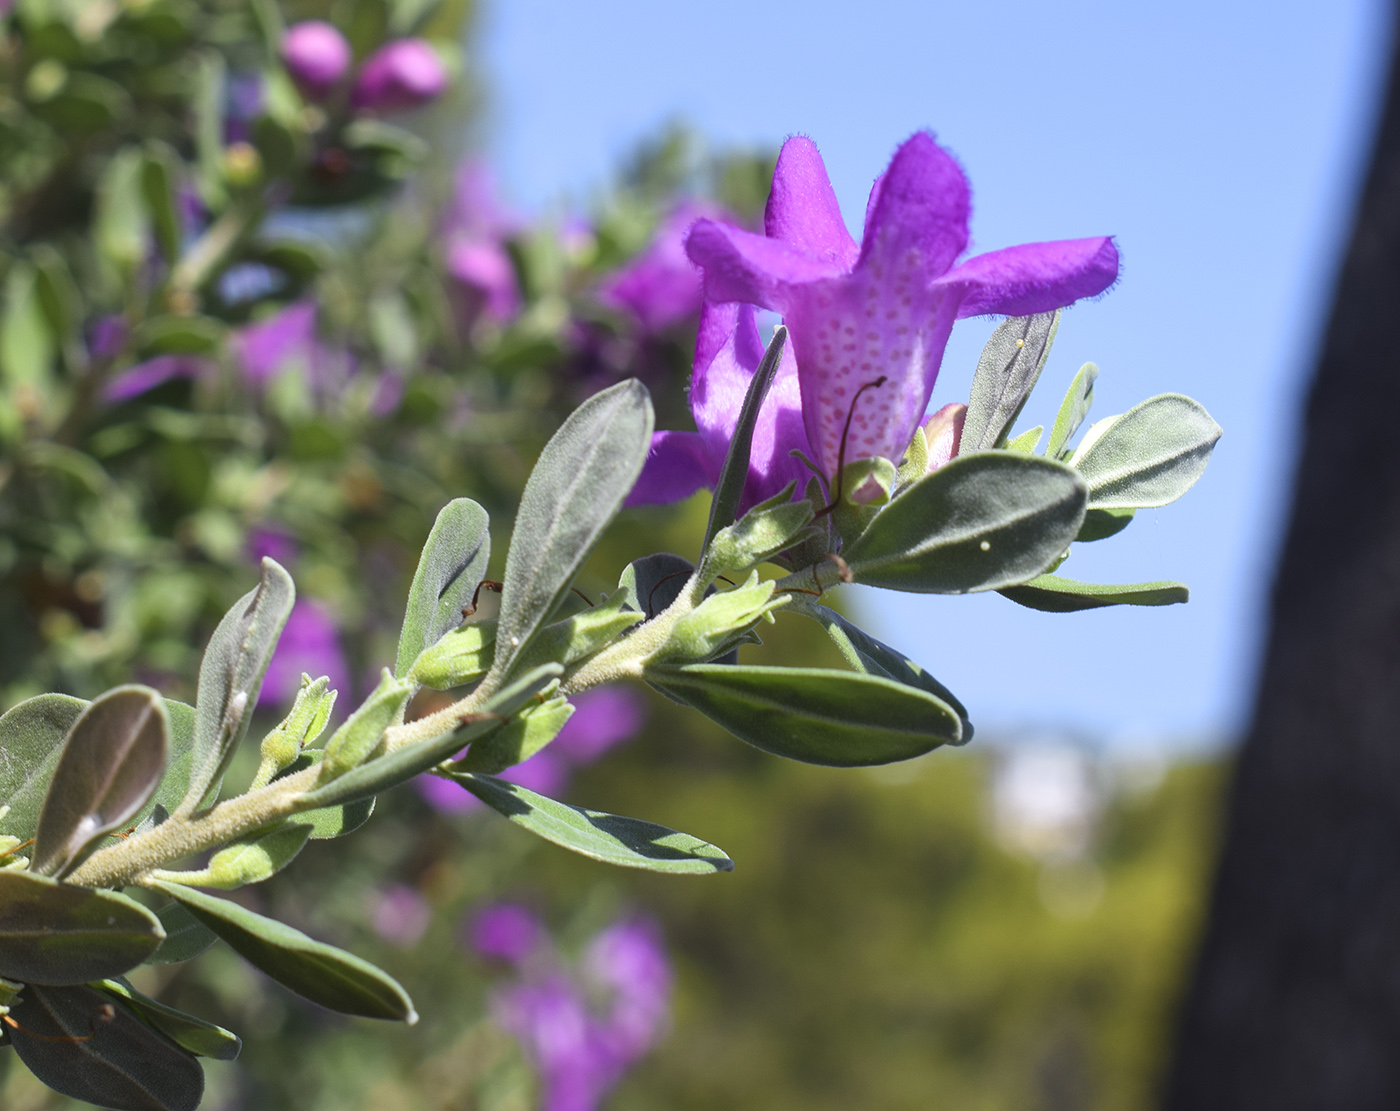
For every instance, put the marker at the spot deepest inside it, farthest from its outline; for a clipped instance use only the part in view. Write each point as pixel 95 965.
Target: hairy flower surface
pixel 727 352
pixel 869 321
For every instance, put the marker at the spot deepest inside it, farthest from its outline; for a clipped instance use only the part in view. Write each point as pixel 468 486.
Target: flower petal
pixel 880 322
pixel 920 209
pixel 678 464
pixel 1035 277
pixel 742 266
pixel 802 209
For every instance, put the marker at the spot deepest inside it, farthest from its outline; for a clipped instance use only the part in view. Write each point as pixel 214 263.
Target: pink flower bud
pixel 944 433
pixel 316 55
pixel 401 74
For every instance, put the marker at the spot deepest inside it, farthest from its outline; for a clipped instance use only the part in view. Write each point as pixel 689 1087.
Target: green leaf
pixel 250 860
pixel 763 532
pixel 54 933
pixel 873 657
pixel 610 838
pixel 83 1044
pixel 363 731
pixel 185 938
pixel 31 741
pixel 715 625
pixel 521 737
pixel 189 1032
pixel 818 716
pixel 981 522
pixel 1100 524
pixel 1027 441
pixel 27 346
pixel 649 585
pixel 58 293
pixel 1075 407
pixel 120 224
pixel 321 973
pixel 450 569
pixel 209 100
pixel 1054 594
pixel 179 335
pixel 231 676
pixel 578 637
pixel 1149 456
pixel 729 490
pixel 404 763
pixel 176 782
pixel 160 176
pixel 1006 373
pixel 112 762
pixel 580 482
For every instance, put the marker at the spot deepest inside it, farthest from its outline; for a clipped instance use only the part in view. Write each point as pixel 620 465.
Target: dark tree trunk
pixel 1296 998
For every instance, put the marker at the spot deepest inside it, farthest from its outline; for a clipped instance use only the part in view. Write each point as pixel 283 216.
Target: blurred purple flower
pixel 474 229
pixel 147 376
pixel 400 74
pixel 869 321
pixel 583 1050
pixel 273 544
pixel 287 342
pixel 107 336
pixel 309 644
pixel 400 915
pixel 316 55
pixel 728 350
pixel 661 285
pixel 245 98
pixel 506 932
pixel 602 719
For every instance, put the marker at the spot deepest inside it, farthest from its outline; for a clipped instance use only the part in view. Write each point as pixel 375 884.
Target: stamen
pixel 841 452
pixel 11 852
pixel 486 584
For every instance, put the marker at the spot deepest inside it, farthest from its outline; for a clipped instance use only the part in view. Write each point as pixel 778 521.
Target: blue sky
pixel 1221 143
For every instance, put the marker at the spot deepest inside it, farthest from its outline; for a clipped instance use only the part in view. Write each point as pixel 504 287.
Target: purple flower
pixel 309 644
pixel 316 56
pixel 107 336
pixel 869 321
pixel 602 719
pixel 506 932
pixel 400 74
pixel 400 915
pixel 727 352
pixel 474 229
pixel 286 342
pixel 275 545
pixel 146 376
pixel 583 1050
pixel 661 285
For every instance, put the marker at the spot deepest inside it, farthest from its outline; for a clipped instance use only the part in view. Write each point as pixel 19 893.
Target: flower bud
pixel 401 74
pixel 944 433
pixel 316 56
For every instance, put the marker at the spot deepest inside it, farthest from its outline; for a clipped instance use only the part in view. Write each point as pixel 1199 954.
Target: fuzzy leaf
pixel 450 569
pixel 1149 456
pixel 981 522
pixel 82 1043
pixel 580 482
pixel 31 742
pixel 112 762
pixel 1075 407
pixel 818 716
pixel 321 973
pixel 1054 594
pixel 1006 373
pixel 610 838
pixel 185 938
pixel 231 676
pixel 54 933
pixel 189 1032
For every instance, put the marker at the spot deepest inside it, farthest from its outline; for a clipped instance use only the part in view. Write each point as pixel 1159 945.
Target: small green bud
pixel 363 732
pixel 302 725
pixel 720 621
pixel 578 637
pixel 459 657
pixel 762 532
pixel 519 739
pixel 250 860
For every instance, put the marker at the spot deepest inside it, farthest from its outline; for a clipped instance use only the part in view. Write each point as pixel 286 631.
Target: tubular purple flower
pixel 506 932
pixel 661 286
pixel 284 342
pixel 882 309
pixel 474 228
pixel 316 55
pixel 727 352
pixel 400 74
pixel 146 376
